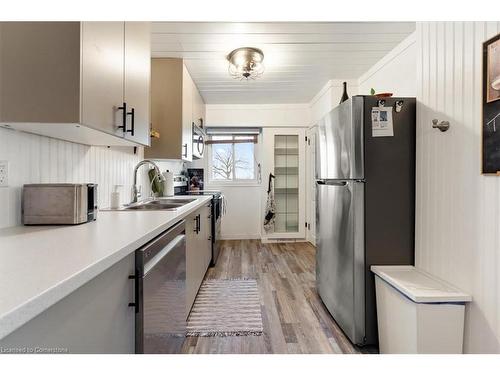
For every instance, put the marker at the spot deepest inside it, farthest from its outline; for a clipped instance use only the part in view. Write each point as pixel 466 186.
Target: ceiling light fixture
pixel 246 63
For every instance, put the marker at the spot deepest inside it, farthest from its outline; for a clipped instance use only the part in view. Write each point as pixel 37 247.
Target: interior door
pixel 339 257
pixel 137 79
pixel 102 75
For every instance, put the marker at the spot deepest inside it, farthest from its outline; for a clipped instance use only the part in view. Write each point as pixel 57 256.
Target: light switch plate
pixel 4 173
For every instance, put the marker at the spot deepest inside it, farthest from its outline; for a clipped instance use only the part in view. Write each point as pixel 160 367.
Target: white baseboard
pixel 240 237
pixel 283 240
pixel 263 240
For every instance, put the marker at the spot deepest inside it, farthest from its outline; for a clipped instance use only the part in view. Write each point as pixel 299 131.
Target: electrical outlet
pixel 4 173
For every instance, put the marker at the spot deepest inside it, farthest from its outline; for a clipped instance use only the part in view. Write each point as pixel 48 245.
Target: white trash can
pixel 417 312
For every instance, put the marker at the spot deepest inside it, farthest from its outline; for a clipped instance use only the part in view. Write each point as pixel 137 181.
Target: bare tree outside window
pixel 232 161
pixel 224 164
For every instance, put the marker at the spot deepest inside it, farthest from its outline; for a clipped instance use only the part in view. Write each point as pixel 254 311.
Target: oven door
pixel 198 142
pixel 216 228
pixel 216 242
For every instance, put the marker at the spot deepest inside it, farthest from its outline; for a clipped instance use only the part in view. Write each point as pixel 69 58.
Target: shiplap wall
pixel 34 159
pixel 458 210
pixel 395 72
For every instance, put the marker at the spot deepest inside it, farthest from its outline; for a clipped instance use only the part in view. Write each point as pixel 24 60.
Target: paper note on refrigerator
pixel 382 122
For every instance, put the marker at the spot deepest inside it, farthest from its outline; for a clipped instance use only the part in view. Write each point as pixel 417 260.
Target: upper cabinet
pixel 86 82
pixel 198 109
pixel 176 105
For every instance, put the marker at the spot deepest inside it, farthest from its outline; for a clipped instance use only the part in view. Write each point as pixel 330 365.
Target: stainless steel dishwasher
pixel 161 293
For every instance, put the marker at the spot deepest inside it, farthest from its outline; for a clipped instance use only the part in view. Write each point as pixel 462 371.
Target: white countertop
pixel 40 265
pixel 420 286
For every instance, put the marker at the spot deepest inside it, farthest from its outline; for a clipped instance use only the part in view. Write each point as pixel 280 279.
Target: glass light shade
pixel 246 63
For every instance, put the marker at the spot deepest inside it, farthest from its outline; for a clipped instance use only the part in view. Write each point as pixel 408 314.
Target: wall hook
pixel 443 125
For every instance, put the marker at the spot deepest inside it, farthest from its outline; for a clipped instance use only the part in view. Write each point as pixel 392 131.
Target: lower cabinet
pixel 95 318
pixel 198 251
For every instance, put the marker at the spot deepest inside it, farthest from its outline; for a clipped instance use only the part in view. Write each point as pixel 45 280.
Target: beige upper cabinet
pixel 138 78
pixel 174 109
pixel 102 75
pixel 58 76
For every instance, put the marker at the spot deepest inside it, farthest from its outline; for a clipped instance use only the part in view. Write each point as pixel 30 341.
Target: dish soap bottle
pixel 344 94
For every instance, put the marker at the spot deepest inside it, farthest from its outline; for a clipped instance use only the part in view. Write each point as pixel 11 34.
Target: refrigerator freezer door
pixel 339 146
pixel 340 254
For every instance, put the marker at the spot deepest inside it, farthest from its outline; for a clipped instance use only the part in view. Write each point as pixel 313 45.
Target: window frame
pixel 235 182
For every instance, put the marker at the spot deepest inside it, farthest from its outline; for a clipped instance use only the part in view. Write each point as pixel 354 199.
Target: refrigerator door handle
pixel 333 183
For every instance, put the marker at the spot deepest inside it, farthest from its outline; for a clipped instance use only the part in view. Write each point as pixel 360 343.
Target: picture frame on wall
pixel 491 107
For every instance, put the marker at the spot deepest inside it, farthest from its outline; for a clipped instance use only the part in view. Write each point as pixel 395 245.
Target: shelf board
pixel 286 171
pixel 286 151
pixel 286 190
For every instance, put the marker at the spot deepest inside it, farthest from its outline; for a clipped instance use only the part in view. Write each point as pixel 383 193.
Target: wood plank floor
pixel 295 320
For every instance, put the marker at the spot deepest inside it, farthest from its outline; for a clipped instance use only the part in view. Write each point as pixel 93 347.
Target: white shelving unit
pixel 284 157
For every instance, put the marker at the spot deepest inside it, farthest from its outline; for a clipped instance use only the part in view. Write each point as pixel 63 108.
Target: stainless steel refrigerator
pixel 365 196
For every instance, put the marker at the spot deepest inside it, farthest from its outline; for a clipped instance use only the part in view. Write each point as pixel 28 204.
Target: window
pixel 232 157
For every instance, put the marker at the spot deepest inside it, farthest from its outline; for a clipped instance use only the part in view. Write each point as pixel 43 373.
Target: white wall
pixel 395 72
pixel 37 159
pixel 243 216
pixel 261 115
pixel 458 209
pixel 329 97
pixel 242 219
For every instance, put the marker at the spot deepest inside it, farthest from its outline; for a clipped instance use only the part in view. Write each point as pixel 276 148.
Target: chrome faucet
pixel 135 191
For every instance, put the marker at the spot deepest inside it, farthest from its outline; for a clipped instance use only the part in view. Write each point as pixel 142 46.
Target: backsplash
pixel 38 159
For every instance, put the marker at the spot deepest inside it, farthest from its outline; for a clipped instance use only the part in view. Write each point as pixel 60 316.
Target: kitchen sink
pixel 156 205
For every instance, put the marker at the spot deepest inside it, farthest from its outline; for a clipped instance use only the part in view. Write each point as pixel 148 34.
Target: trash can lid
pixel 420 286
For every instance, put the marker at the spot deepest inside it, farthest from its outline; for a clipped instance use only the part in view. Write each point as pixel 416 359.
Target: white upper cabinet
pixel 198 108
pixel 188 90
pixel 85 82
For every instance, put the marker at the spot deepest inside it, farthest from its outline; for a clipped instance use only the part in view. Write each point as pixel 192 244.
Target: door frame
pixel 311 184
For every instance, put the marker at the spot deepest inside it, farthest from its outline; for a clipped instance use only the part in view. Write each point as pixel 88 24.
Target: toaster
pixel 44 204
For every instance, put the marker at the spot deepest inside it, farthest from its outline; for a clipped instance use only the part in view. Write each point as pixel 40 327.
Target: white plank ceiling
pixel 299 57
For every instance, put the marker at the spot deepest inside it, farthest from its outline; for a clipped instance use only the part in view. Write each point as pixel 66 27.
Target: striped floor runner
pixel 226 308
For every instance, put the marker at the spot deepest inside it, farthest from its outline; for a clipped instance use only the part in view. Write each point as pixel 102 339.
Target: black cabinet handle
pixel 123 126
pixel 197 223
pixel 132 121
pixel 136 292
pixel 185 153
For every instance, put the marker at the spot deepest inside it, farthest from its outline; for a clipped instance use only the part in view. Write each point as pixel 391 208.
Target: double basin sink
pixel 156 204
